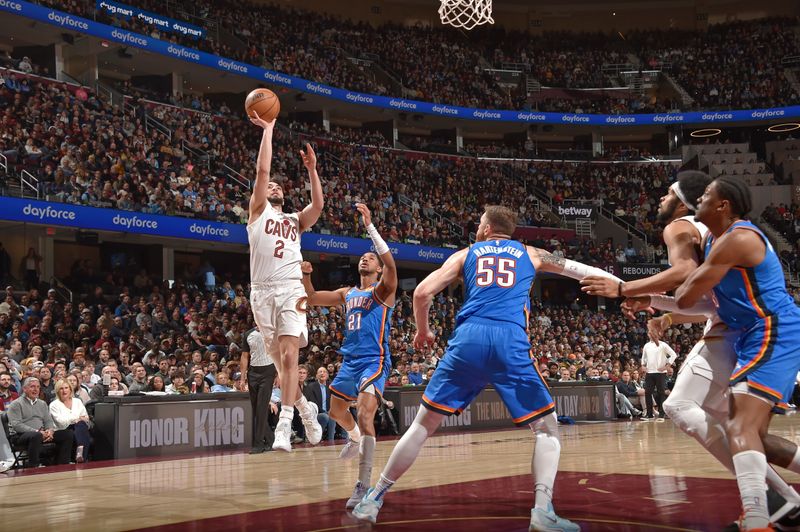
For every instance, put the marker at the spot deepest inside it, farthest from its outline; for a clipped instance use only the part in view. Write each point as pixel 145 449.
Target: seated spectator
pixel 32 425
pixel 156 384
pixel 70 414
pixel 317 392
pixel 78 391
pixel 626 394
pixel 222 383
pixel 7 392
pixel 178 385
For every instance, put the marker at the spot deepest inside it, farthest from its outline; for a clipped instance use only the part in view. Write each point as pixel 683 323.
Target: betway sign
pixel 573 211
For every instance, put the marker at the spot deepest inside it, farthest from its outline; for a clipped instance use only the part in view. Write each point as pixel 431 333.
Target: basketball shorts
pixel 704 376
pixel 482 352
pixel 768 358
pixel 280 310
pixel 357 373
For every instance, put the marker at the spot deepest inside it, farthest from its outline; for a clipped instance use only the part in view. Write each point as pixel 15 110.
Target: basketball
pixel 264 103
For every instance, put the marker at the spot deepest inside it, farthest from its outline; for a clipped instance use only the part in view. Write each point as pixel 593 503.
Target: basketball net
pixel 466 13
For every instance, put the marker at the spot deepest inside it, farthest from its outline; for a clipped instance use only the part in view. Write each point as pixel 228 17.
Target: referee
pixel 260 372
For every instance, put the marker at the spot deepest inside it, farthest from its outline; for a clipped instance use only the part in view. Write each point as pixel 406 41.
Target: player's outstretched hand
pixel 306 267
pixel 632 305
pixel 309 158
pixel 423 340
pixel 595 285
pixel 656 328
pixel 365 214
pixel 254 118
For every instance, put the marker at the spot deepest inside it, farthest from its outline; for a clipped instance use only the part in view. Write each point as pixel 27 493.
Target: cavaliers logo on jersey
pixel 285 229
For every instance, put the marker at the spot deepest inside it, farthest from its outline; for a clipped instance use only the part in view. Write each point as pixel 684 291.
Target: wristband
pixel 304 273
pixel 619 288
pixel 380 246
pixel 668 316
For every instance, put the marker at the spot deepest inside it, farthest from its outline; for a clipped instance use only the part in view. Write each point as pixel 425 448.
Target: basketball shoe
pixel 350 450
pixel 358 495
pixel 367 509
pixel 312 426
pixel 283 436
pixel 548 521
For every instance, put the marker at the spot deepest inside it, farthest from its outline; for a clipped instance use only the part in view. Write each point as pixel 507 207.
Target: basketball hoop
pixel 466 13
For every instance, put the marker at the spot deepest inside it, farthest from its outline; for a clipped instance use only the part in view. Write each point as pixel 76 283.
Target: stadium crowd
pixel 731 65
pixel 50 129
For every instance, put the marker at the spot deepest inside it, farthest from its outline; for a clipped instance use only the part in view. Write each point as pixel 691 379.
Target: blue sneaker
pixel 548 521
pixel 367 509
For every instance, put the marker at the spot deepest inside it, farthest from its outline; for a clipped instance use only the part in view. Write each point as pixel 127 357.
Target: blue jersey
pixel 497 278
pixel 367 324
pixel 746 295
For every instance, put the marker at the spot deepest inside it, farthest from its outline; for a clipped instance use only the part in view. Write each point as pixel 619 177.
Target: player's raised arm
pixel 324 298
pixel 258 199
pixel 310 215
pixel 387 287
pixel 547 262
pixel 429 287
pixel 682 253
pixel 738 248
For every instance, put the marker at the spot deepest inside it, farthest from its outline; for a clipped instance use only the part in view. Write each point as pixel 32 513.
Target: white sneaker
pixel 5 466
pixel 367 509
pixel 283 436
pixel 358 495
pixel 350 450
pixel 548 521
pixel 313 428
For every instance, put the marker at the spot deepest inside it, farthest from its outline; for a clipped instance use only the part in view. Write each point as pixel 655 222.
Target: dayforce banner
pixel 159 21
pixel 58 18
pixel 63 214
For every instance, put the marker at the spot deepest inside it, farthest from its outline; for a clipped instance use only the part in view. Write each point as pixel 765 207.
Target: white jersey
pixel 713 322
pixel 275 247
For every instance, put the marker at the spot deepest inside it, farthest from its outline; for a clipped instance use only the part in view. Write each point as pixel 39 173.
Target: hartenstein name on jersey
pixel 286 229
pixel 494 250
pixel 359 302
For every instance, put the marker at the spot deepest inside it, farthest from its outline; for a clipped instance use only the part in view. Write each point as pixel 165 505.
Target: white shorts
pixel 280 310
pixel 705 375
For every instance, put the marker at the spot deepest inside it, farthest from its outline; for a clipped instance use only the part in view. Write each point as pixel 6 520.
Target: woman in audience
pixel 68 412
pixel 77 390
pixel 156 384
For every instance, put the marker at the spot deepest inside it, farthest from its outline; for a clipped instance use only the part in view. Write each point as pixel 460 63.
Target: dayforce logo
pixel 444 110
pixel 329 243
pixel 183 52
pixel 665 119
pixel 583 212
pixel 574 118
pixel 230 65
pixel 11 5
pixel 531 117
pixel 430 254
pixel 277 78
pixel 620 120
pixel 319 89
pixel 48 213
pixel 209 230
pixel 126 36
pixel 67 21
pixel 717 116
pixel 359 98
pixel 134 222
pixel 402 104
pixel 485 114
pixel 767 113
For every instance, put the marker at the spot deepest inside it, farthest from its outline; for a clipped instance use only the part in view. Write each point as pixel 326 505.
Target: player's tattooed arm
pixel 547 262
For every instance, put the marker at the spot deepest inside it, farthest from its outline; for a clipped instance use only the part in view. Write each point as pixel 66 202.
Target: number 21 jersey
pixel 275 247
pixel 497 281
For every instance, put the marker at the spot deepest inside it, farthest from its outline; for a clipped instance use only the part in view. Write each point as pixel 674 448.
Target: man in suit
pixel 317 392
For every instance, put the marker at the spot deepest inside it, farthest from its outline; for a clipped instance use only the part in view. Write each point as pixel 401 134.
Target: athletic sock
pixel 302 406
pixel 751 471
pixel 544 466
pixel 365 453
pixel 287 414
pixel 381 488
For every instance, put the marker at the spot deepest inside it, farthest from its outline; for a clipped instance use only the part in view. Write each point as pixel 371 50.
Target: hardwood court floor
pixel 615 476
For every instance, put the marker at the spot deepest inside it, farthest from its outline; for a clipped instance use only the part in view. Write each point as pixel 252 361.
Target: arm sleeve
pixel 705 306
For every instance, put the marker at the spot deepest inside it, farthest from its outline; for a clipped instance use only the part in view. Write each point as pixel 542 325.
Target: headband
pixel 676 187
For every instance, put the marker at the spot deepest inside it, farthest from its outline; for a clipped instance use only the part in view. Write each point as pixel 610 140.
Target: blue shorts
pixel 356 374
pixel 485 351
pixel 768 358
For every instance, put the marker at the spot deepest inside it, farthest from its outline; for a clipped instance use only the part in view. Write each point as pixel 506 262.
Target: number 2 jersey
pixel 275 247
pixel 367 324
pixel 498 275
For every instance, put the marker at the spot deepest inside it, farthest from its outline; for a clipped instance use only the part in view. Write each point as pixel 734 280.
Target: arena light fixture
pixel 708 132
pixel 783 128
